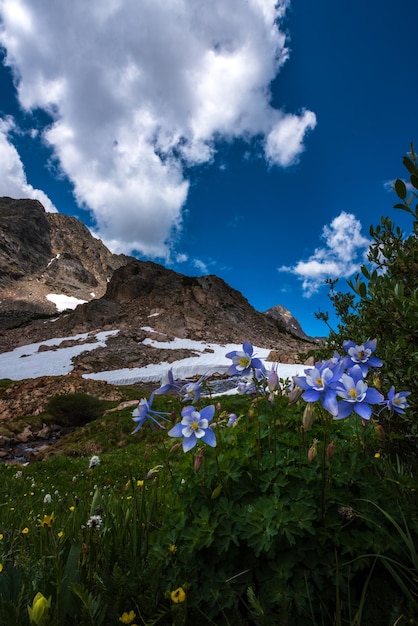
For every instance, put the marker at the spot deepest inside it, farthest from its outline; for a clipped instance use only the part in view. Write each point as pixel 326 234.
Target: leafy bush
pixel 74 409
pixel 383 303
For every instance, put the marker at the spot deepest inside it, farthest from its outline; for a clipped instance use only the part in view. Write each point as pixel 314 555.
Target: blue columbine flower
pixel 193 391
pixel 361 355
pixel 356 395
pixel 144 412
pixel 319 383
pixel 170 386
pixel 252 384
pixel 194 427
pixel 243 361
pixel 232 419
pixel 397 401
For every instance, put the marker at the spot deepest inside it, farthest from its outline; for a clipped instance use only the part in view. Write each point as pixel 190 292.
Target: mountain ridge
pixel 49 252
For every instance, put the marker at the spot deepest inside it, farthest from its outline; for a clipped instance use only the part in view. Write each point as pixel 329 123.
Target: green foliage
pixel 383 304
pixel 260 531
pixel 74 409
pixel 255 534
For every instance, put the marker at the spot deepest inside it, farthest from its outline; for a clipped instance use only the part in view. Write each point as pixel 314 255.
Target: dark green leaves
pixel 400 188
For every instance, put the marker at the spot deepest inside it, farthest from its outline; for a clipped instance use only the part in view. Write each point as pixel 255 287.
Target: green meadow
pixel 292 503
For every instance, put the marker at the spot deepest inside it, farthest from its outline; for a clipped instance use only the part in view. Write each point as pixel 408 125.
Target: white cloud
pixel 344 251
pixel 139 91
pixel 200 265
pixel 13 181
pixel 284 143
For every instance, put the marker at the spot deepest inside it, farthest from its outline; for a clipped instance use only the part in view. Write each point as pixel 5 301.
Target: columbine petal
pixel 344 410
pixel 373 396
pixel 311 395
pixel 176 431
pixel 208 412
pixel 247 346
pixel 210 438
pixel 300 381
pixel 330 404
pixel 189 443
pixel 364 410
pixel 257 364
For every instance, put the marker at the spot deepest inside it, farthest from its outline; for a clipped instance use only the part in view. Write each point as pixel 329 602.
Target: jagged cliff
pixel 46 252
pixel 43 253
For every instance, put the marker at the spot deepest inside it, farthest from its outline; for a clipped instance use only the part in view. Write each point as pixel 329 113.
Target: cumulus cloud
pixel 344 251
pixel 285 140
pixel 13 182
pixel 141 91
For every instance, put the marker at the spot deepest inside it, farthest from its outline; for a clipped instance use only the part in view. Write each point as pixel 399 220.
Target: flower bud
pixel 174 448
pixel 218 406
pixel 308 416
pixel 312 451
pixel 295 394
pixel 39 609
pixel 232 419
pixel 153 471
pixel 273 381
pixel 376 381
pixel 331 449
pixel 198 461
pixel 380 431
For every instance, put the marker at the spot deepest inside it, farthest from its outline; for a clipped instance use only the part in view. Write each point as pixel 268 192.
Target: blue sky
pixel 250 139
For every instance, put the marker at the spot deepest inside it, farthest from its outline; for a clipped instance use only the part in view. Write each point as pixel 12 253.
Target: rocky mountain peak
pixel 46 253
pixel 43 253
pixel 285 319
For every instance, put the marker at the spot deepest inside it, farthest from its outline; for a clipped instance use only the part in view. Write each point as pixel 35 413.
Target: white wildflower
pixel 94 461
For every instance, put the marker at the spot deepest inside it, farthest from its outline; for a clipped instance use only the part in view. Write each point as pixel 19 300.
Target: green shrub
pixel 74 409
pixel 383 301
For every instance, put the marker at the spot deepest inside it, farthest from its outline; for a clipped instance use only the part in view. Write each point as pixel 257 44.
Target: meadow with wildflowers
pixel 280 505
pixel 293 502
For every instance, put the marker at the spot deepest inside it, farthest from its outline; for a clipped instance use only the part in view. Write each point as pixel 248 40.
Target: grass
pixel 213 533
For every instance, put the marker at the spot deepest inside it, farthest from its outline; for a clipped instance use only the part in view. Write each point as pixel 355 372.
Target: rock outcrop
pixel 48 252
pixel 286 321
pixel 43 253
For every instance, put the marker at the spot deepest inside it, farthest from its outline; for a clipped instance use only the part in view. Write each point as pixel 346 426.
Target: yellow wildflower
pixel 72 508
pixel 1 567
pixel 178 595
pixel 377 455
pixel 47 521
pixel 139 483
pixel 60 534
pixel 25 531
pixel 127 618
pixel 39 609
pixel 173 548
pixel 1 536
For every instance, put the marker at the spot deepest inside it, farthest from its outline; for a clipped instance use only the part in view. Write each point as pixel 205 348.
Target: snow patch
pixel 28 362
pixel 63 302
pixel 210 359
